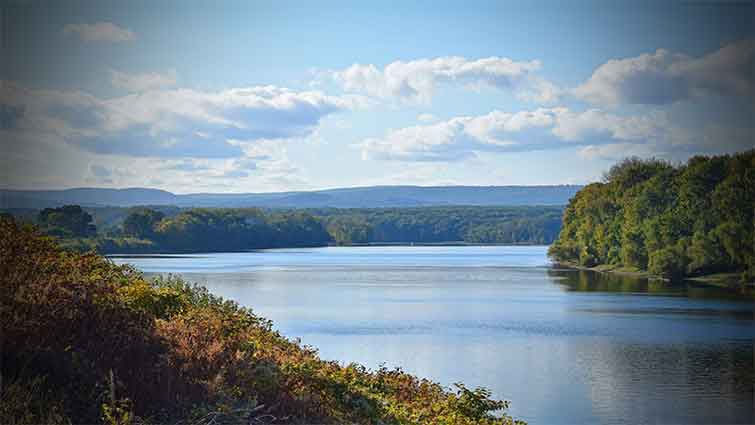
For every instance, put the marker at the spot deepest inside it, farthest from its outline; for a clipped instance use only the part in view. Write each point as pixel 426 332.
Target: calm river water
pixel 565 347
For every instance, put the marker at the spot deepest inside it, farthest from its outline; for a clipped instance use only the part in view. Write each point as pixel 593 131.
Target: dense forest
pixel 92 342
pixel 170 229
pixel 531 225
pixel 194 230
pixel 673 221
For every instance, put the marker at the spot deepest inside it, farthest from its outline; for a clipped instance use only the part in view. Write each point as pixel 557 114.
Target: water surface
pixel 565 347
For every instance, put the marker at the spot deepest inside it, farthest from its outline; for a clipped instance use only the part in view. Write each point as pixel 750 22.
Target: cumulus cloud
pixel 545 128
pixel 426 117
pixel 172 123
pixel 142 82
pixel 664 77
pixel 540 90
pixel 100 31
pixel 617 151
pixel 416 80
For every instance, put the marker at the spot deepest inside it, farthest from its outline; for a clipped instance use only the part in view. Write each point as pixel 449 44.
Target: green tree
pixel 67 221
pixel 141 223
pixel 673 221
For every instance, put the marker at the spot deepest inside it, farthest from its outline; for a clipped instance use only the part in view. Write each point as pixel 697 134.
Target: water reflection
pixel 590 281
pixel 631 383
pixel 707 365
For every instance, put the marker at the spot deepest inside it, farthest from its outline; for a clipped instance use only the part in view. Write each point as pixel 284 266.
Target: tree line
pixel 194 230
pixel 672 221
pixel 149 229
pixel 505 225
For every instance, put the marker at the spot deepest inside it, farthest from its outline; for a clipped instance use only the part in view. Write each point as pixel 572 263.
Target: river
pixel 564 346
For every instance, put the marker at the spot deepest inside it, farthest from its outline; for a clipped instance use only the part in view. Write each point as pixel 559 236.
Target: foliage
pixel 534 225
pixel 237 229
pixel 98 343
pixel 692 219
pixel 141 223
pixel 144 230
pixel 66 221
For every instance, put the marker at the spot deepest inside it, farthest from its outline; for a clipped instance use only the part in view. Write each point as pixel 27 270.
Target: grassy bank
pixel 614 269
pixel 722 280
pixel 87 341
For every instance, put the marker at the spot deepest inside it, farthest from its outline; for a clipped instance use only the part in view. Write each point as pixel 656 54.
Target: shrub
pixel 667 263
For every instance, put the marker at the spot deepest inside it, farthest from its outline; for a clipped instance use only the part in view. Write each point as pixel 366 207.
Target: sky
pixel 277 96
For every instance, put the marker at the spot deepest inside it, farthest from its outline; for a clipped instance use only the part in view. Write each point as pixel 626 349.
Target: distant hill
pixel 357 197
pixel 89 197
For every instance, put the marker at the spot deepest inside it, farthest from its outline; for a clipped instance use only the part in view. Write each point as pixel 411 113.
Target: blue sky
pixel 251 96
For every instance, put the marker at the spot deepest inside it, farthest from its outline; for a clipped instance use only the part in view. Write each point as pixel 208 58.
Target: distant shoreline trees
pixel 674 222
pixel 140 230
pixel 472 224
pixel 201 229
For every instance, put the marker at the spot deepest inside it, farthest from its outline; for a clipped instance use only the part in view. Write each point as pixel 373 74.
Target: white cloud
pixel 665 77
pixel 171 123
pixel 426 118
pixel 545 128
pixel 617 151
pixel 100 31
pixel 186 165
pixel 540 90
pixel 416 80
pixel 246 164
pixel 142 82
pixel 266 161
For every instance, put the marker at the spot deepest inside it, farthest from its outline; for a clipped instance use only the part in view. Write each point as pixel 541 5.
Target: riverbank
pixel 722 280
pixel 76 245
pixel 446 243
pixel 607 268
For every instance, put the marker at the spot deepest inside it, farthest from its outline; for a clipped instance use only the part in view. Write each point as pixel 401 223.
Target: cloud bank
pixel 544 128
pixel 416 80
pixel 142 82
pixel 169 123
pixel 664 77
pixel 99 32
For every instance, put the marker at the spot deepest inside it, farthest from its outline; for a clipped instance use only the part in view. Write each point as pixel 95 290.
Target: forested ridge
pixel 672 221
pixel 170 229
pixel 91 342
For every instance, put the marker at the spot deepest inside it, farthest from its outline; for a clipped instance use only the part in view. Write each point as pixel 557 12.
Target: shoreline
pixel 180 253
pixel 729 280
pixel 609 269
pixel 446 243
